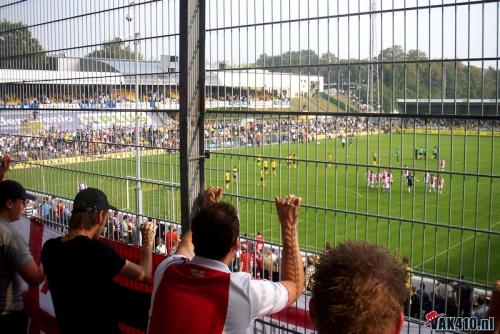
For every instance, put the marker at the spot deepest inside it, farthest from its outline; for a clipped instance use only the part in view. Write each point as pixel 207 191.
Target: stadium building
pixel 478 107
pixel 111 81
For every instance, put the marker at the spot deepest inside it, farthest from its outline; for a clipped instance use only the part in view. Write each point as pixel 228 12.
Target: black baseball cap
pixel 13 190
pixel 91 200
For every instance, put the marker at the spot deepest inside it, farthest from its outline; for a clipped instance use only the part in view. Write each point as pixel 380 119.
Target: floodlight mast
pixel 138 189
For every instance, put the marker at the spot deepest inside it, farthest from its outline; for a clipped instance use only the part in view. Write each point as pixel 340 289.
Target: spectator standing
pixel 116 226
pixel 463 292
pixel 214 300
pixel 309 273
pixel 131 230
pixel 445 299
pixel 46 209
pixel 246 260
pixel 16 261
pixel 409 285
pixel 160 246
pixel 258 265
pixel 171 240
pixel 250 244
pixel 124 229
pixel 259 241
pixel 270 262
pixel 80 271
pixel 421 302
pixel 494 309
pixel 480 311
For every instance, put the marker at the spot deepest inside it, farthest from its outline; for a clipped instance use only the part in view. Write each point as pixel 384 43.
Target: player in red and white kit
pixel 440 185
pixel 387 183
pixel 442 164
pixel 426 178
pixel 378 179
pixel 371 179
pixel 432 183
pixel 406 172
pixel 384 175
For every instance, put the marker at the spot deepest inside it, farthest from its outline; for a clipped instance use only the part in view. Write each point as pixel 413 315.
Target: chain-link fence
pixel 382 115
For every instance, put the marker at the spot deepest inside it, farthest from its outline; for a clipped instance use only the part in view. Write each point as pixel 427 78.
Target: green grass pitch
pixel 435 231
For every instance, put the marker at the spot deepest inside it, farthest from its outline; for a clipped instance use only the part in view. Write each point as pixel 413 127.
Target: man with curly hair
pixel 358 288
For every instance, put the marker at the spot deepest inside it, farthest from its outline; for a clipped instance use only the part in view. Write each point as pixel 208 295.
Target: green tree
pixel 19 49
pixel 115 49
pixel 415 78
pixel 291 62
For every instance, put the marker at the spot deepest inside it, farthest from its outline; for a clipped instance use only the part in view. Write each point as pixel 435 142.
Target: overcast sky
pixel 461 31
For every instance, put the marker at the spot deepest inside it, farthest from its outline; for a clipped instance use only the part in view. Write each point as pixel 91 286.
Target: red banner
pixel 38 302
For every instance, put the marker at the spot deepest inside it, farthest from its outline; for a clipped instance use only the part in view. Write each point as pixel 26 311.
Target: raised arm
pixel 211 196
pixel 292 269
pixel 142 271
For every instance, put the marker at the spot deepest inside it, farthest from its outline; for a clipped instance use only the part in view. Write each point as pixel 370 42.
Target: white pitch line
pixel 453 247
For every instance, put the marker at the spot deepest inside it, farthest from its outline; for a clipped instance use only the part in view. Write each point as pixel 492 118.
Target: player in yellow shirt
pixel 330 160
pixel 266 166
pixel 261 174
pixel 227 178
pixel 273 167
pixel 259 159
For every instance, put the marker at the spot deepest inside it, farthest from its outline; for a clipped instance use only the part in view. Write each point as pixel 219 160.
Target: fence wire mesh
pixel 382 115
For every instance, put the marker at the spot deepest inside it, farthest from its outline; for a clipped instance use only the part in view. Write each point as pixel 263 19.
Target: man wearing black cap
pixel 15 259
pixel 80 269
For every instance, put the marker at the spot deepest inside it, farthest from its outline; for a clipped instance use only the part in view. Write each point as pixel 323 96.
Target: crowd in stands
pixel 244 97
pixel 123 96
pixel 447 124
pixel 90 141
pixel 56 143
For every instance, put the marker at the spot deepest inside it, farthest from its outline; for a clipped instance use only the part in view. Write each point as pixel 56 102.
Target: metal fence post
pixel 192 105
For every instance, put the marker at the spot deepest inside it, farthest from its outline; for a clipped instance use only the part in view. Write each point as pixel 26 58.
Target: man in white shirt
pixel 206 296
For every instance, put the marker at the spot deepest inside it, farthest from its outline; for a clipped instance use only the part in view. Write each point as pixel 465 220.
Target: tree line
pixel 396 75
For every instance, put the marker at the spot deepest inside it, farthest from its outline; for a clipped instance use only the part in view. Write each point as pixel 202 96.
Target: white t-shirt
pixel 208 298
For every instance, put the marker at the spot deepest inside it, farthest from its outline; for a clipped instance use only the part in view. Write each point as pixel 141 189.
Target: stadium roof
pixel 488 107
pixel 127 67
pixel 164 72
pixel 447 101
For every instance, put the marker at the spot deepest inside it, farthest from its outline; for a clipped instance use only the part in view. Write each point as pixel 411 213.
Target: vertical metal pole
pixel 444 83
pixel 192 105
pixel 43 180
pixel 138 189
pixel 127 196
